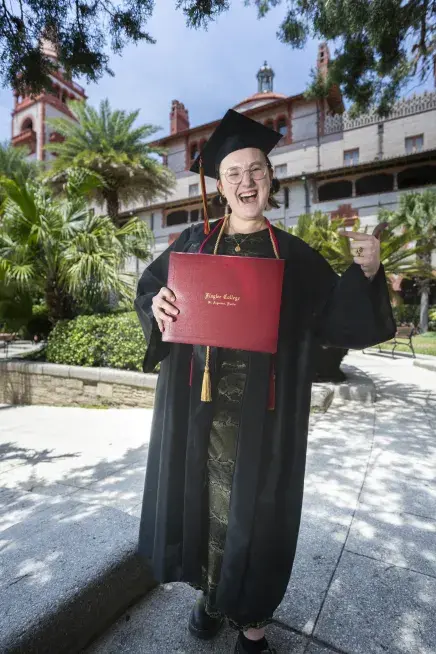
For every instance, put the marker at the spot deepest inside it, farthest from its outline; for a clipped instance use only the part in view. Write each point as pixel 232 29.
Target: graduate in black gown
pixel 224 481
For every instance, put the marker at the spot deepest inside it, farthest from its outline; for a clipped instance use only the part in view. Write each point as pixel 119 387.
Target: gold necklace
pixel 238 243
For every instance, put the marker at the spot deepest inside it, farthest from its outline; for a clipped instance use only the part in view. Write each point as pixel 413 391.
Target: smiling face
pixel 245 181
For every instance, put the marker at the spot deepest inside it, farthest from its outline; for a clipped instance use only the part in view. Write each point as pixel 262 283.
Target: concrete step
pixel 428 364
pixel 68 570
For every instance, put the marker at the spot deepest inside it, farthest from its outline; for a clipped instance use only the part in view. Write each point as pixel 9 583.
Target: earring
pixel 223 199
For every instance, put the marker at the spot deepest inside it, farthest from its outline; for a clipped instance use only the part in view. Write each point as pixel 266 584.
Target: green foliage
pixel 84 33
pixel 15 307
pixel 107 143
pixel 417 212
pixel 322 233
pixel 114 341
pixel 380 45
pixel 56 248
pixel 410 314
pixel 416 215
pixel 39 324
pixel 15 165
pixel 406 313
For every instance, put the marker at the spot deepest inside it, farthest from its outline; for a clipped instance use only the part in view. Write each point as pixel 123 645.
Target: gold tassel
pixel 206 389
pixel 204 198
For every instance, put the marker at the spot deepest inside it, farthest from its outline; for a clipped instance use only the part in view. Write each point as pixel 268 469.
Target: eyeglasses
pixel 235 174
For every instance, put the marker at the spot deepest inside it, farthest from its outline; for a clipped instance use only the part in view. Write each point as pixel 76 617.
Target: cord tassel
pixel 206 388
pixel 204 198
pixel 272 387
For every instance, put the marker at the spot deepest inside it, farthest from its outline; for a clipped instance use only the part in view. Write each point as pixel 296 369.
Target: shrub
pixel 39 324
pixel 409 313
pixel 432 319
pixel 110 341
pixel 406 313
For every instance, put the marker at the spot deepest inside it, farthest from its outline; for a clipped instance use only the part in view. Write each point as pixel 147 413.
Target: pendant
pixel 237 248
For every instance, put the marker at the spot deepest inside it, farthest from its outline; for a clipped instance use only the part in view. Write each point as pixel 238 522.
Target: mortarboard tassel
pixel 204 197
pixel 206 389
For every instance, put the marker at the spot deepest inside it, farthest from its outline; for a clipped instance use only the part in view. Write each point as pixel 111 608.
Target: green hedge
pixel 109 341
pixel 409 313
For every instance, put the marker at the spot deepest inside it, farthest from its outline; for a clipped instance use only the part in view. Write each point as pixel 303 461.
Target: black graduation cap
pixel 235 132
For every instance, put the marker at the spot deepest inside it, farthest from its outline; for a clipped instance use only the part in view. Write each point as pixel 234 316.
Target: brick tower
pixel 30 113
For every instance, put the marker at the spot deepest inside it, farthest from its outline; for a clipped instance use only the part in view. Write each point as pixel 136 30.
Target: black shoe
pixel 201 625
pixel 240 649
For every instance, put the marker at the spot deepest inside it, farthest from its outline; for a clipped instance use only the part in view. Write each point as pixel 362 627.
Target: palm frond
pixel 107 142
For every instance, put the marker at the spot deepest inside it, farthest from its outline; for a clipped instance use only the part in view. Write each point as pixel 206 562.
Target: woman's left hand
pixel 365 249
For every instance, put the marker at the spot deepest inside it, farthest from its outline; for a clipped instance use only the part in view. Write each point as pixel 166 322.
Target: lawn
pixel 423 344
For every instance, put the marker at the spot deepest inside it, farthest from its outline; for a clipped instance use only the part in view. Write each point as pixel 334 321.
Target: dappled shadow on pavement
pixel 364 579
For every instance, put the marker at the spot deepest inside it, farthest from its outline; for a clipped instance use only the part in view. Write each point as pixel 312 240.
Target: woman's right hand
pixel 163 307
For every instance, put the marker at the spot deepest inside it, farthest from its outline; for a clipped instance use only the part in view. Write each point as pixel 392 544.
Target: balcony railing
pixel 406 107
pixel 26 137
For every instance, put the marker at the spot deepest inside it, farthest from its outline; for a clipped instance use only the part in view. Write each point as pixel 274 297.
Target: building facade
pixel 326 160
pixel 30 124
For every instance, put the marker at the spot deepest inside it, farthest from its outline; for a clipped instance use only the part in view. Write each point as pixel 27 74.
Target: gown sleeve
pixel 352 311
pixel 152 280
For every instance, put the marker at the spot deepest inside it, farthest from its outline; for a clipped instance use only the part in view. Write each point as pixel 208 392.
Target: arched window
pixel 282 126
pixel 27 124
pixel 380 183
pixel 417 176
pixel 335 191
pixel 177 217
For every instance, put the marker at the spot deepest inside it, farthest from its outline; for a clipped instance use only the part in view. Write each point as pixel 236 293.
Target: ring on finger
pixel 359 251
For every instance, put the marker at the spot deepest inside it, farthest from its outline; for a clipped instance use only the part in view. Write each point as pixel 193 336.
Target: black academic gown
pixel 317 305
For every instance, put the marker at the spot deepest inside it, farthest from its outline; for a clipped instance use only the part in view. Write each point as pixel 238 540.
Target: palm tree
pixel 321 233
pixel 396 255
pixel 15 165
pixel 58 249
pixel 107 143
pixel 417 215
pixel 15 307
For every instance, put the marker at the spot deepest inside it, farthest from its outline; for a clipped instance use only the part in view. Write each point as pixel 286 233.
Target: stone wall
pixel 24 382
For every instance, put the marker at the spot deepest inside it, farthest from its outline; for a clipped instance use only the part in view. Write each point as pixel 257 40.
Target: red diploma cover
pixel 225 301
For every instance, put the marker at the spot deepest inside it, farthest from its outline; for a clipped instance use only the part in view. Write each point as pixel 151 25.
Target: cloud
pixel 209 71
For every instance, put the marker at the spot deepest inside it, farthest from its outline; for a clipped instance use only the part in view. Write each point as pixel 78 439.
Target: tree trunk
pixel 425 304
pixel 424 288
pixel 112 205
pixel 59 303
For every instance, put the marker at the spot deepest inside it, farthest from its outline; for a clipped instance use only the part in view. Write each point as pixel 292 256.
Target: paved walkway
pixel 16 348
pixel 364 581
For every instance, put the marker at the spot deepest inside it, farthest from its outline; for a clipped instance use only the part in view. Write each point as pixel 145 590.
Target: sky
pixel 209 71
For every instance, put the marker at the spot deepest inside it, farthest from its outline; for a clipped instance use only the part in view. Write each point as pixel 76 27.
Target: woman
pixel 224 482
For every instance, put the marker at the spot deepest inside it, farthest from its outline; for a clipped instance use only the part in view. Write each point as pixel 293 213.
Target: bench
pixel 403 336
